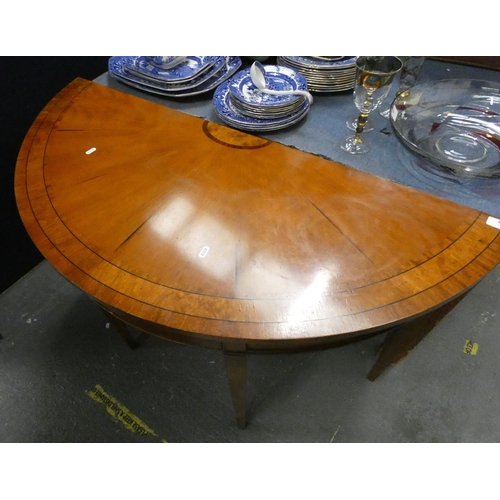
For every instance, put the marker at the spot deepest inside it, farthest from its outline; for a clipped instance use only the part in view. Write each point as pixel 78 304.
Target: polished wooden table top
pixel 187 224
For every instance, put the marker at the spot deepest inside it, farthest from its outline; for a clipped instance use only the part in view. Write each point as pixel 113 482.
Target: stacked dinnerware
pixel 173 76
pixel 324 73
pixel 240 104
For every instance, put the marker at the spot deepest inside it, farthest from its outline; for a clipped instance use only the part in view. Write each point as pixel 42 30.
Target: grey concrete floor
pixel 66 376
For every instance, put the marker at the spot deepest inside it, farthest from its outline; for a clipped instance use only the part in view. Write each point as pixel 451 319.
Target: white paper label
pixel 203 252
pixel 493 221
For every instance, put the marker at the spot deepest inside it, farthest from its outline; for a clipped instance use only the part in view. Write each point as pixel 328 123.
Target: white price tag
pixel 204 252
pixel 493 221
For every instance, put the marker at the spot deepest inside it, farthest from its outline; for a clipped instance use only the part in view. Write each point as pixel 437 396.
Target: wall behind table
pixel 489 62
pixel 27 84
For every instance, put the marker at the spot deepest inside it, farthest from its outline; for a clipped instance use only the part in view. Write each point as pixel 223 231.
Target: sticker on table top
pixel 90 151
pixel 120 412
pixel 470 348
pixel 204 251
pixel 493 221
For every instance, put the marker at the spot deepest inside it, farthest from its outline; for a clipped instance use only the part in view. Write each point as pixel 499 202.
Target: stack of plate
pixel 191 76
pixel 240 104
pixel 324 73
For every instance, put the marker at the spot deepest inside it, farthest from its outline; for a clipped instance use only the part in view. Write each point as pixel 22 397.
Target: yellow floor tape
pixel 120 412
pixel 470 348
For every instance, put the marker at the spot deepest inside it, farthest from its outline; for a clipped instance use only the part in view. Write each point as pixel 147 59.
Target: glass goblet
pixel 407 79
pixel 353 123
pixel 374 75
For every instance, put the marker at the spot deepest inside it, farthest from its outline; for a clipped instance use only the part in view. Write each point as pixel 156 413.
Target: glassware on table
pixel 352 124
pixel 408 77
pixel 374 75
pixel 453 125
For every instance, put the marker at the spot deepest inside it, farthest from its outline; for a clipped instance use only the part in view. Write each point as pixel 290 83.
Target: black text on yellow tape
pixel 470 348
pixel 120 412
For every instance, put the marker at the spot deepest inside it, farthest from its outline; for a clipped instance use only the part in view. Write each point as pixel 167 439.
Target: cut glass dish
pixel 453 124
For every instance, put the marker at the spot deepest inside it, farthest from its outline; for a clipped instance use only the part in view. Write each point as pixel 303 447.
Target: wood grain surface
pixel 187 225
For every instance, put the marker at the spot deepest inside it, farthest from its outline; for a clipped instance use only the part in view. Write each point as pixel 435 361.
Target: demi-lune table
pixel 205 235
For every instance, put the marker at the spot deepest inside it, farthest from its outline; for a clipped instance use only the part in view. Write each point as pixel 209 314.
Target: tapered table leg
pixel 122 329
pixel 235 360
pixel 402 339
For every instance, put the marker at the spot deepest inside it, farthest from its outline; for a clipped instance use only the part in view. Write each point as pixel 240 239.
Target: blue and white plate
pixel 230 66
pixel 312 62
pixel 165 62
pixel 231 116
pixel 177 85
pixel 327 58
pixel 188 69
pixel 266 113
pixel 277 78
pixel 323 75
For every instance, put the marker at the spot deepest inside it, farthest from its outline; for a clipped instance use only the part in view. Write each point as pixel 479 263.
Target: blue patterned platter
pixel 191 67
pixel 165 62
pixel 150 81
pixel 230 115
pixel 277 78
pixel 232 64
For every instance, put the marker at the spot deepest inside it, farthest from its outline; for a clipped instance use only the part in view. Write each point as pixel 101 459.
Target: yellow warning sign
pixel 470 347
pixel 120 412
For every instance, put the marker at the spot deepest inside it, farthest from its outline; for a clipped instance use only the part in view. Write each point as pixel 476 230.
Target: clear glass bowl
pixel 454 124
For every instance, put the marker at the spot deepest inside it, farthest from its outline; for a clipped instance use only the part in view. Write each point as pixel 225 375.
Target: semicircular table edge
pixel 202 234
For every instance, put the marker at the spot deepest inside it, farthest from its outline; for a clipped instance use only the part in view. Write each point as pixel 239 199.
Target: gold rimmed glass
pixel 374 75
pixel 407 79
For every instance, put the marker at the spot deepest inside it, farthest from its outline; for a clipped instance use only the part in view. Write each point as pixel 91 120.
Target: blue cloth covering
pixel 325 126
